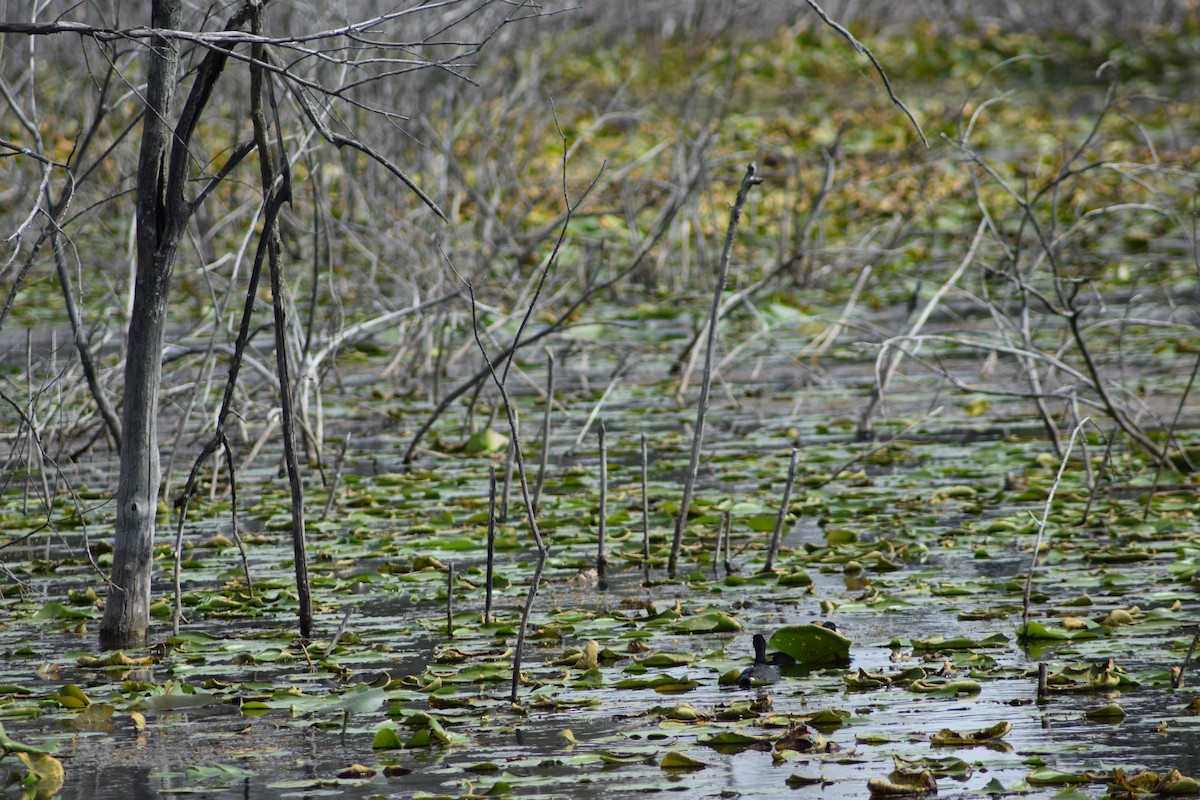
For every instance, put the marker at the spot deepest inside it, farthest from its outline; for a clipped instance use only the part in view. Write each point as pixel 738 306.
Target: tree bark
pixel 127 609
pixel 162 214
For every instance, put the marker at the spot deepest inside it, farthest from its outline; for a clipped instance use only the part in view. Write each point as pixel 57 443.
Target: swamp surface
pixel 917 550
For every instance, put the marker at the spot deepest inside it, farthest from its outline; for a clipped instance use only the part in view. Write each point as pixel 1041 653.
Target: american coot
pixel 763 671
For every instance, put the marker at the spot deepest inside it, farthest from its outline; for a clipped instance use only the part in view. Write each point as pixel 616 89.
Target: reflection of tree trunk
pixel 127 610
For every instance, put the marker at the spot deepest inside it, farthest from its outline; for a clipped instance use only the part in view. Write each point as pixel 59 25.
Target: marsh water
pixel 917 551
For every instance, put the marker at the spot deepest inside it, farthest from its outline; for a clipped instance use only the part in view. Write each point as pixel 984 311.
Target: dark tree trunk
pixel 127 609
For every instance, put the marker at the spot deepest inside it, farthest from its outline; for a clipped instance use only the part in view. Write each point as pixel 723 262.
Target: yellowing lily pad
pixel 950 738
pixel 675 760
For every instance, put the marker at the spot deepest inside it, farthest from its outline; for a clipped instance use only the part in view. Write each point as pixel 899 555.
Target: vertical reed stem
pixel 450 601
pixel 338 466
pixel 1037 545
pixel 783 509
pixel 491 544
pixel 750 180
pixel 508 476
pixel 601 559
pixel 1178 672
pixel 728 520
pixel 716 565
pixel 544 456
pixel 645 516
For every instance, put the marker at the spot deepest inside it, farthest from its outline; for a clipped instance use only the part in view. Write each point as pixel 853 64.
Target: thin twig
pixel 645 515
pixel 750 180
pixel 506 489
pixel 530 514
pixel 783 510
pixel 1177 683
pixel 338 465
pixel 562 320
pixel 514 429
pixel 450 601
pixel 608 390
pixel 337 635
pixel 282 189
pixel 602 527
pixel 1037 545
pixel 862 48
pixel 716 558
pixel 491 545
pixel 1104 460
pixel 889 359
pixel 1187 390
pixel 544 456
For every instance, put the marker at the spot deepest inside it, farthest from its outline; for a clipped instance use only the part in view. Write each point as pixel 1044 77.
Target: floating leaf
pixel 762 523
pixel 904 783
pixel 71 696
pixel 795 578
pixel 800 740
pixel 977 406
pixel 946 643
pixel 949 767
pixel 47 772
pixel 963 686
pixel 949 738
pixel 662 659
pixel 1045 776
pixel 666 684
pixel 828 719
pixel 174 696
pixel 9 745
pixel 675 760
pixel 1035 630
pixel 708 622
pixel 485 441
pixel 387 738
pixel 94 715
pixel 681 712
pixel 1110 713
pixel 734 740
pixel 114 660
pixel 812 645
pixel 59 611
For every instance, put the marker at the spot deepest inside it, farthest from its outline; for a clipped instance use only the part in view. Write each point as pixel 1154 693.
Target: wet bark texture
pixel 162 214
pixel 127 609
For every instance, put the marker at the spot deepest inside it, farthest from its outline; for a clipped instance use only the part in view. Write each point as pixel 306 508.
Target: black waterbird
pixel 763 670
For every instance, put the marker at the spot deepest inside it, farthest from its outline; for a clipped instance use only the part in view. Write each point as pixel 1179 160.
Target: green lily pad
pixel 733 740
pixel 709 622
pixel 485 441
pixel 812 645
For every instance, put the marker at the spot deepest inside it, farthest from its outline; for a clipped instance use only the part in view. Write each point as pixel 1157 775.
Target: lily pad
pixel 812 645
pixel 675 760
